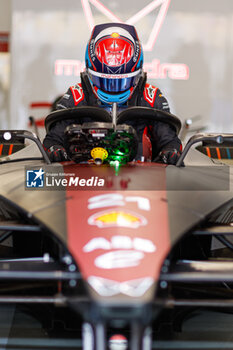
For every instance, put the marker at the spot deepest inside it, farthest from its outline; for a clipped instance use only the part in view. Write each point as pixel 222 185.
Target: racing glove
pixel 170 156
pixel 57 153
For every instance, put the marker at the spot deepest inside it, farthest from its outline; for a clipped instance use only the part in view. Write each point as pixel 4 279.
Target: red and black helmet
pixel 114 60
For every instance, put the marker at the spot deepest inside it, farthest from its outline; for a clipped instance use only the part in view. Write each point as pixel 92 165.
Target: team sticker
pixel 124 251
pixel 118 251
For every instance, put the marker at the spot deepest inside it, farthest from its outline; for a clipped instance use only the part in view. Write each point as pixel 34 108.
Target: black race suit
pixel 162 136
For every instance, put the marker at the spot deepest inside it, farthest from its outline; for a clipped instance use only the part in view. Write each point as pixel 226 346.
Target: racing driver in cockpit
pixel 114 61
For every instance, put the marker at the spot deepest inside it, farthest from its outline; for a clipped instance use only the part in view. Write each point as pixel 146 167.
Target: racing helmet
pixel 114 60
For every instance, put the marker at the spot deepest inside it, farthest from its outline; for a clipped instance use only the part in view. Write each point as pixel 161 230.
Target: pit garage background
pixel 188 53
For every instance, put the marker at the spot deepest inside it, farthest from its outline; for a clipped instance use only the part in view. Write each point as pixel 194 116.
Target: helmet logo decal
pixel 114 51
pixel 118 71
pixel 92 50
pixel 115 35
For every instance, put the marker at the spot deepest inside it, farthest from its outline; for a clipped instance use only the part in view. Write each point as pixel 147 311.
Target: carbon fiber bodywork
pixel 121 254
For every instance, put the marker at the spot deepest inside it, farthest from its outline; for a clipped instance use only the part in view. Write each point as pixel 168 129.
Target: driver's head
pixel 114 61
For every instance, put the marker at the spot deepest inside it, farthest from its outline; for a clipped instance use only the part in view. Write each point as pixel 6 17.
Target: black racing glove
pixel 169 156
pixel 57 153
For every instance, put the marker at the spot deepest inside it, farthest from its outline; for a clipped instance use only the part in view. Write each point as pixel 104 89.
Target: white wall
pixel 5 15
pixel 197 33
pixel 5 27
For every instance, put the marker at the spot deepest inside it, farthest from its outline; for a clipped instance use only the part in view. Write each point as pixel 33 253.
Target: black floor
pixel 28 328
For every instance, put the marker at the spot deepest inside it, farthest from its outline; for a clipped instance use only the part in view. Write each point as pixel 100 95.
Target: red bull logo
pixel 117 218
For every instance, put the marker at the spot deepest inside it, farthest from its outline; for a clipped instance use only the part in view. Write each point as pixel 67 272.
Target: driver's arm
pixel 165 137
pixel 167 146
pixel 54 142
pixel 55 136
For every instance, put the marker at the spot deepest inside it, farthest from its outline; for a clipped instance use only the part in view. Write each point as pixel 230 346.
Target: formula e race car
pixel 108 252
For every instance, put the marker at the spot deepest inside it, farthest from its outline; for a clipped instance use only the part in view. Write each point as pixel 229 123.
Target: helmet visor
pixel 114 83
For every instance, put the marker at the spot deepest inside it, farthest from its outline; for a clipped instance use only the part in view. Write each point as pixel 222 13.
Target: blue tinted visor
pixel 114 83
